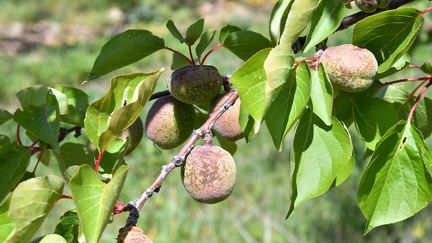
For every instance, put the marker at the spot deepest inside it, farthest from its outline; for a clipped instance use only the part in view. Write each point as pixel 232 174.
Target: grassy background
pixel 256 210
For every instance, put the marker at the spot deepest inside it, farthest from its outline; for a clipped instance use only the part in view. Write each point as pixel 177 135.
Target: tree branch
pixel 159 94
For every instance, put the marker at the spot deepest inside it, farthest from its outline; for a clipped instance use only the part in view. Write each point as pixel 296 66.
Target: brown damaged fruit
pixel 209 174
pixel 228 125
pixel 169 122
pixel 132 234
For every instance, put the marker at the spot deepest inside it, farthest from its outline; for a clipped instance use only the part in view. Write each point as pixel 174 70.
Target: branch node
pixel 178 160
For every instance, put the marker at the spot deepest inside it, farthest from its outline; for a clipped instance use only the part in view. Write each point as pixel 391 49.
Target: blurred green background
pixel 48 42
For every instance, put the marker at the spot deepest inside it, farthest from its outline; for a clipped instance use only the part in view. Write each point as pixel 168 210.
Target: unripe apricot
pixel 367 6
pixel 228 125
pixel 134 134
pixel 197 84
pixel 383 3
pixel 209 174
pixel 169 122
pixel 350 68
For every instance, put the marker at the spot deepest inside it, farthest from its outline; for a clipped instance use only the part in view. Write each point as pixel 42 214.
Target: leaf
pixel 95 200
pixel 174 31
pixel 322 95
pixel 229 146
pixel 68 227
pixel 76 154
pixel 245 44
pixel 289 105
pixel 204 42
pixel 114 153
pixel 278 19
pixel 4 116
pixel 396 183
pixel 249 80
pixel 178 61
pixel 73 104
pixel 7 226
pixel 325 21
pixel 43 121
pixel 400 64
pixel 226 31
pixel 53 238
pixel 108 117
pixel 14 161
pixel 36 96
pixel 30 203
pixel 248 125
pixel 321 155
pixel 388 35
pixel 194 32
pixel 373 117
pixel 123 49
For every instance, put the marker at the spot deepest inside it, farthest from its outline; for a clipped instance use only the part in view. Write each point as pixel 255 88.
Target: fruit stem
pixel 215 48
pixel 37 162
pixel 99 158
pixel 18 134
pixel 180 54
pixel 191 55
pixel 407 80
pixel 410 95
pixel 419 96
pixel 426 10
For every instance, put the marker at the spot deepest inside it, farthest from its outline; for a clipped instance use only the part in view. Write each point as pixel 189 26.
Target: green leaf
pixel 178 61
pixel 289 105
pixel 95 200
pixel 325 21
pixel 204 42
pixel 194 32
pixel 388 35
pixel 174 31
pixel 68 227
pixel 36 96
pixel 400 64
pixel 30 203
pixel 73 104
pixel 245 44
pixel 123 49
pixel 4 116
pixel 76 154
pixel 248 124
pixel 250 80
pixel 7 225
pixel 278 19
pixel 108 117
pixel 229 146
pixel 322 95
pixel 396 183
pixel 14 161
pixel 42 121
pixel 373 117
pixel 321 156
pixel 226 31
pixel 52 238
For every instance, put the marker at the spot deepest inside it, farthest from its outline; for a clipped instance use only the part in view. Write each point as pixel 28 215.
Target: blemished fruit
pixel 134 134
pixel 132 234
pixel 169 122
pixel 367 6
pixel 209 174
pixel 197 84
pixel 383 3
pixel 350 68
pixel 228 125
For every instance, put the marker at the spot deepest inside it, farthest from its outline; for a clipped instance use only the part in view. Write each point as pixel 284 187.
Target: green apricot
pixel 383 3
pixel 228 125
pixel 367 6
pixel 134 134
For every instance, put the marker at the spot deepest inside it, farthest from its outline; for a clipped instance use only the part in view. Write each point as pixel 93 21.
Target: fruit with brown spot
pixel 132 234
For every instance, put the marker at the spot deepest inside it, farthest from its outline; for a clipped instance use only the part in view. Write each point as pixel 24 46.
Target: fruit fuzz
pixel 196 84
pixel 350 68
pixel 209 174
pixel 169 122
pixel 228 125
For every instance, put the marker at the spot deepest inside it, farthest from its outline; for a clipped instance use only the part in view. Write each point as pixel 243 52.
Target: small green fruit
pixel 367 6
pixel 209 174
pixel 383 3
pixel 350 68
pixel 169 122
pixel 134 134
pixel 228 125
pixel 196 85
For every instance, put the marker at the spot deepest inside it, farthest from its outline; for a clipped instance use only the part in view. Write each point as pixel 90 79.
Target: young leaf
pixel 388 35
pixel 245 44
pixel 289 104
pixel 321 156
pixel 119 108
pixel 94 199
pixel 249 80
pixel 73 104
pixel 4 116
pixel 174 31
pixel 68 227
pixel 123 49
pixel 30 203
pixel 51 238
pixel 178 62
pixel 204 42
pixel 373 117
pixel 325 21
pixel 396 183
pixel 322 95
pixel 226 31
pixel 278 19
pixel 194 32
pixel 7 225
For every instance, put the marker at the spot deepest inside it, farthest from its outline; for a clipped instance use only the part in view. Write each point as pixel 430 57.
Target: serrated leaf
pixel 194 32
pixel 95 200
pixel 108 117
pixel 388 35
pixel 204 42
pixel 68 227
pixel 14 161
pixel 7 226
pixel 73 104
pixel 325 21
pixel 373 117
pixel 52 238
pixel 4 116
pixel 244 43
pixel 30 203
pixel 278 19
pixel 226 31
pixel 123 49
pixel 289 105
pixel 396 183
pixel 174 31
pixel 322 95
pixel 320 153
pixel 250 80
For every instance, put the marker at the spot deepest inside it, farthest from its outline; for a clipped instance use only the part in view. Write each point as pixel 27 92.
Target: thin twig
pixel 216 47
pixel 411 94
pixel 38 161
pixel 180 54
pixel 407 80
pixel 18 134
pixel 191 55
pixel 420 95
pixel 99 158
